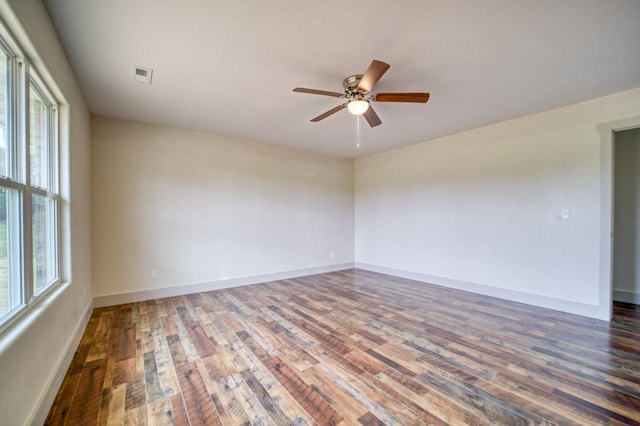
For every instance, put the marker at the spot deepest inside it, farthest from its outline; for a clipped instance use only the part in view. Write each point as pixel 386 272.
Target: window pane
pixel 44 240
pixel 11 295
pixel 4 113
pixel 38 139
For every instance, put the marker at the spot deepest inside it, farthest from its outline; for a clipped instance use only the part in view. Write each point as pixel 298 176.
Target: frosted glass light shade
pixel 358 107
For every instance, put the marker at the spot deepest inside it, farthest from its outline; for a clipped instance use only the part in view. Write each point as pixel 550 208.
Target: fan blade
pixel 318 92
pixel 373 74
pixel 328 113
pixel 401 97
pixel 372 117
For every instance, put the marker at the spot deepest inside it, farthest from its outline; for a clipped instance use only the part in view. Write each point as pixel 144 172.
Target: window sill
pixel 18 325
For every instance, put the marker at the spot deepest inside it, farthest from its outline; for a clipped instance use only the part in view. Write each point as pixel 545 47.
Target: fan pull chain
pixel 357 131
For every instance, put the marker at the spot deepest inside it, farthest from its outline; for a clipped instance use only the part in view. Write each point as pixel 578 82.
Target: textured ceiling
pixel 228 67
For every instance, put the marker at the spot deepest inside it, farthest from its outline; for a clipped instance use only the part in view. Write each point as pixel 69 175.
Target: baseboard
pixel 626 296
pixel 47 398
pixel 179 290
pixel 591 311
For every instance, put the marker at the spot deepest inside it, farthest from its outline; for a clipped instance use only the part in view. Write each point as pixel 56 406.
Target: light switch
pixel 565 213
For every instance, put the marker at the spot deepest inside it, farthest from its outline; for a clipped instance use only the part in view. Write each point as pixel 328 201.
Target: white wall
pixel 206 210
pixel 34 354
pixel 480 210
pixel 626 265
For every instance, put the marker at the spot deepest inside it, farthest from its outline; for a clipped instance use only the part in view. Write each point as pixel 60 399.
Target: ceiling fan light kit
pixel 358 105
pixel 357 88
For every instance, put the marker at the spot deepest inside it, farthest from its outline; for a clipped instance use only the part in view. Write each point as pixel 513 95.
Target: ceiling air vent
pixel 142 75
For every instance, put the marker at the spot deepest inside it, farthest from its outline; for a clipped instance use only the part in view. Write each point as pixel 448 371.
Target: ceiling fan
pixel 357 88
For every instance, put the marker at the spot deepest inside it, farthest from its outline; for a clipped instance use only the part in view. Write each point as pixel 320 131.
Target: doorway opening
pixel 609 133
pixel 625 274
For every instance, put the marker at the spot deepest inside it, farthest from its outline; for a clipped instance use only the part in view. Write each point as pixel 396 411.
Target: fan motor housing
pixel 350 84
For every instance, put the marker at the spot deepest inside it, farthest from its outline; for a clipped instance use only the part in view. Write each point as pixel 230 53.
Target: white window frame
pixel 52 192
pixel 22 76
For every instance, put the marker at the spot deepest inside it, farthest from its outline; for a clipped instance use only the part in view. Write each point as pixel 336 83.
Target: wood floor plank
pixel 177 350
pixel 116 408
pixel 426 411
pixel 203 344
pixel 306 396
pixel 179 411
pixel 100 339
pixel 228 400
pixel 200 407
pixel 249 401
pixel 136 416
pixel 86 403
pixel 153 390
pixel 160 413
pixel 124 371
pixel 350 347
pixel 126 348
pixel 168 381
pixel 217 366
pixel 299 357
pixel 268 403
pixel 135 394
pixel 363 392
pixel 64 399
pixel 336 396
pixel 290 406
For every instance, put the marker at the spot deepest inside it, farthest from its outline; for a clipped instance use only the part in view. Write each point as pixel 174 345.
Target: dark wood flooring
pixel 350 347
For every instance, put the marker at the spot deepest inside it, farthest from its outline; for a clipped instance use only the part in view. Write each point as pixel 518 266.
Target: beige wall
pixel 201 208
pixel 626 265
pixel 481 210
pixel 34 354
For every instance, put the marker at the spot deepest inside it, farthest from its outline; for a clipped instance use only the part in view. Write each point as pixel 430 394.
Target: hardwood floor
pixel 350 347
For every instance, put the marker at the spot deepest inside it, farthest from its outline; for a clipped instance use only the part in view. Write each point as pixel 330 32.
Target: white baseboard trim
pixel 179 290
pixel 626 296
pixel 591 311
pixel 46 399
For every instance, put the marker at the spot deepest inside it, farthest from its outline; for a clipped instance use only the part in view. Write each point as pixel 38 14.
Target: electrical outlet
pixel 154 275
